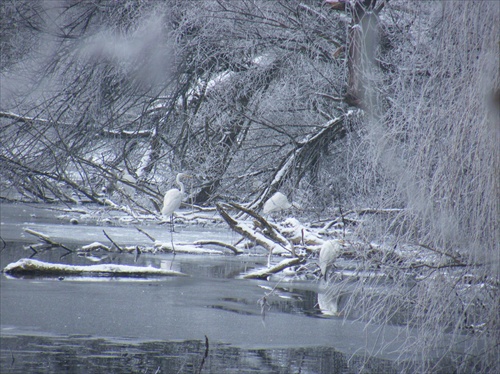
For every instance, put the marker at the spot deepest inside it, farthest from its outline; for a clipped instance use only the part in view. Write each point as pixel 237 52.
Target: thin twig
pixel 112 241
pixel 145 233
pixel 455 259
pixel 204 356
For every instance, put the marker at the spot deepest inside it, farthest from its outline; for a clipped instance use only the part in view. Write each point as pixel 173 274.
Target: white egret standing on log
pixel 330 251
pixel 277 203
pixel 173 198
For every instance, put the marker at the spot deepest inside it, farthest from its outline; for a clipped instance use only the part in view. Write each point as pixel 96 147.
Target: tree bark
pixel 362 41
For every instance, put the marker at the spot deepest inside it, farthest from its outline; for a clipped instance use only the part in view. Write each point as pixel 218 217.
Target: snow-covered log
pixel 185 248
pixel 264 238
pixel 218 243
pixel 27 266
pixel 46 239
pixel 94 247
pixel 268 229
pixel 265 272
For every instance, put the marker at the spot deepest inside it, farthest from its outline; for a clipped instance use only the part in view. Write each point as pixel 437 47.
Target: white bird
pixel 330 251
pixel 173 198
pixel 277 203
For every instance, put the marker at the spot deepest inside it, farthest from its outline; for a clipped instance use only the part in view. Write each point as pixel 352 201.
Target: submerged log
pixel 27 266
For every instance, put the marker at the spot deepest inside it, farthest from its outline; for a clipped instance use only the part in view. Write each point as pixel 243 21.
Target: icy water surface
pixel 210 321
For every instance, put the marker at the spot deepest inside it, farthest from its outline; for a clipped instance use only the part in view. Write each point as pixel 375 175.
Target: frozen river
pixel 168 325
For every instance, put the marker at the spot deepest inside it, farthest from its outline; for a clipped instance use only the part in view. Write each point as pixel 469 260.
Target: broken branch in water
pixel 204 356
pixel 3 244
pixel 186 248
pixel 265 272
pixel 236 250
pixel 46 239
pixel 112 241
pixel 95 246
pixel 145 233
pixel 268 229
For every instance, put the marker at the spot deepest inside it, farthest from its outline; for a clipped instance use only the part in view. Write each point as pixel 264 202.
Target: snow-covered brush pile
pixel 307 248
pixel 111 213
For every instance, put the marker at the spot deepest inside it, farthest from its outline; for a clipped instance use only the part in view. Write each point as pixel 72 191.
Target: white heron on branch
pixel 277 203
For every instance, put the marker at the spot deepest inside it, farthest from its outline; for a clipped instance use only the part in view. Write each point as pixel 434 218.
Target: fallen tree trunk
pixel 265 272
pixel 234 249
pixel 39 268
pixel 253 235
pixel 303 156
pixel 267 228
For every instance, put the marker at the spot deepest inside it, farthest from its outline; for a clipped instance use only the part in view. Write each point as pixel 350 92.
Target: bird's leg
pixel 172 233
pixel 172 225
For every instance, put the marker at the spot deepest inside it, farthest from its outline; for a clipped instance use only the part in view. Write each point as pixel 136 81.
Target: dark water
pixel 115 325
pixel 35 354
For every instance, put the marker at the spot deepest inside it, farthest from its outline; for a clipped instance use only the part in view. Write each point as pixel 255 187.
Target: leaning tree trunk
pixel 362 41
pixel 302 157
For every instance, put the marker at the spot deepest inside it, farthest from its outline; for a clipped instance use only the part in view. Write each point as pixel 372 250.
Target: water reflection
pixel 80 354
pixel 166 316
pixel 331 303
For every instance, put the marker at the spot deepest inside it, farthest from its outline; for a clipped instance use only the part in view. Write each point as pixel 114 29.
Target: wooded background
pixel 388 105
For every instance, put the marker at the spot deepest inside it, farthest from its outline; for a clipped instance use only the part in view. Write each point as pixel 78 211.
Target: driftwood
pixel 265 272
pixel 189 249
pixel 39 268
pixel 185 248
pixel 234 249
pixel 145 233
pixel 46 239
pixel 268 229
pixel 262 238
pixel 95 246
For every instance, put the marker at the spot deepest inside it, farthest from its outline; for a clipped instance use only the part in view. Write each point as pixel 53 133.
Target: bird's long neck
pixel 179 183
